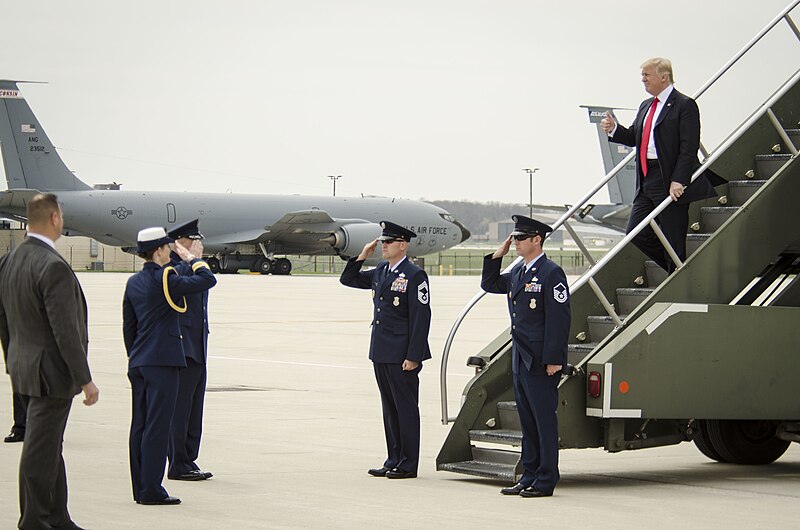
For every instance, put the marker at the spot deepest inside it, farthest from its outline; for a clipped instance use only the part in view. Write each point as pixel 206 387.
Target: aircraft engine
pixel 350 239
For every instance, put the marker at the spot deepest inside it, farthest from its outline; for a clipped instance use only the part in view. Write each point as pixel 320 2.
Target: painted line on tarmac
pixel 295 363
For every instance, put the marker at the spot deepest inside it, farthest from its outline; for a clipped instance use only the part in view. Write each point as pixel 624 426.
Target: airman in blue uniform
pixel 538 302
pixel 399 342
pixel 154 297
pixel 187 423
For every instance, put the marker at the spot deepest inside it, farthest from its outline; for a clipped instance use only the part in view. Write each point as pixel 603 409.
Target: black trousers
pixel 400 402
pixel 673 221
pixel 42 476
pixel 20 413
pixel 187 423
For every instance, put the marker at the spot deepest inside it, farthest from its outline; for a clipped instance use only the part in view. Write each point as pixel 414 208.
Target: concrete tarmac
pixel 293 422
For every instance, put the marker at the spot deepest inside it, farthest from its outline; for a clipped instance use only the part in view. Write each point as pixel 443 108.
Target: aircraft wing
pixel 13 202
pixel 304 231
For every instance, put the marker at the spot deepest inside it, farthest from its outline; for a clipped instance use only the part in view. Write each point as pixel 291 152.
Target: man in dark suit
pixel 187 423
pixel 666 134
pixel 399 342
pixel 154 297
pixel 538 302
pixel 43 329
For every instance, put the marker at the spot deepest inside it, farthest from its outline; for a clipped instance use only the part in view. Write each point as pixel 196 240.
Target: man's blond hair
pixel 663 67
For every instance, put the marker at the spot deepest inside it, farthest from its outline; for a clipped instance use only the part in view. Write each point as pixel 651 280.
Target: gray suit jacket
pixel 42 322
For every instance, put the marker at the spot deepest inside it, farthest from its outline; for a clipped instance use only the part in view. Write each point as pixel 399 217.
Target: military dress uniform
pixel 187 422
pixel 153 300
pixel 538 303
pixel 400 326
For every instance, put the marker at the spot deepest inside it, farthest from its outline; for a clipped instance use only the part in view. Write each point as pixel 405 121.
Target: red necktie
pixel 648 125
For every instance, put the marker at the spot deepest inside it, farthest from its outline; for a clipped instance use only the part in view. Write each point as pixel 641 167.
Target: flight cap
pixel 530 227
pixel 392 231
pixel 189 230
pixel 151 238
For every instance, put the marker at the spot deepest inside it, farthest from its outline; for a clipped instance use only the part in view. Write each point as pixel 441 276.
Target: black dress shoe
pixel 207 474
pixel 379 472
pixel 530 491
pixel 399 473
pixel 516 489
pixel 165 500
pixel 191 476
pixel 14 436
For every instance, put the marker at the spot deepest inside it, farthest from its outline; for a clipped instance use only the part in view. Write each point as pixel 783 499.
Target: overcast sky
pixel 418 99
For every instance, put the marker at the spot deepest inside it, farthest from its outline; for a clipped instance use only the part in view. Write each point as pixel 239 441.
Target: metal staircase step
pixel 693 242
pixel 509 418
pixel 504 472
pixel 577 351
pixel 740 191
pixel 654 273
pixel 600 326
pixel 767 165
pixel 490 455
pixel 629 298
pixel 497 436
pixel 712 217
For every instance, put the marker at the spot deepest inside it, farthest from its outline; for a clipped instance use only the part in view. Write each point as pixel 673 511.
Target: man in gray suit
pixel 44 337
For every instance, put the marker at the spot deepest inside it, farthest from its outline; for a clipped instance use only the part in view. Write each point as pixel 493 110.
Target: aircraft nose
pixel 465 233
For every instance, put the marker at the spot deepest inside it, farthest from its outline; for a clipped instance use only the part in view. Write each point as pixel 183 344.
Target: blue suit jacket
pixel 402 312
pixel 539 308
pixel 194 322
pixel 150 324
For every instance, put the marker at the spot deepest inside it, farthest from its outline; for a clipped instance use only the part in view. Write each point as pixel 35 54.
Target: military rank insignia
pixel 423 295
pixel 560 293
pixel 400 285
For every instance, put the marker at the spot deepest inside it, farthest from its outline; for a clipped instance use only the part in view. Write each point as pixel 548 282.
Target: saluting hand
pixel 183 252
pixel 502 250
pixel 196 248
pixel 608 123
pixel 369 248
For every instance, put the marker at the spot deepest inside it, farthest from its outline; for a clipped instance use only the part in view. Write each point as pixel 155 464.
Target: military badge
pixel 528 287
pixel 537 287
pixel 423 295
pixel 533 303
pixel 400 285
pixel 560 293
pixel 396 301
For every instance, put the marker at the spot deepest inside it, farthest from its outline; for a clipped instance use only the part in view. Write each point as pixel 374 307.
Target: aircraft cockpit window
pixel 448 217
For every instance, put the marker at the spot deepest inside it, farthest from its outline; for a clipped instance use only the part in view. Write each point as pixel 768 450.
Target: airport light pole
pixel 530 173
pixel 334 178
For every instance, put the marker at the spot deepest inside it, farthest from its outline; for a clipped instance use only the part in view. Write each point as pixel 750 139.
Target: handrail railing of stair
pixel 588 277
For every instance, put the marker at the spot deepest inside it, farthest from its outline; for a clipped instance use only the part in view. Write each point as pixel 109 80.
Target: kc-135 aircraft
pixel 241 231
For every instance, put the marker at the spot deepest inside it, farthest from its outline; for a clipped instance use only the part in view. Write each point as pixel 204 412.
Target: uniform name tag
pixel 400 285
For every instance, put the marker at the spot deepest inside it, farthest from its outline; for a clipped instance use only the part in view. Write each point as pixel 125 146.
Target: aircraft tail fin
pixel 29 157
pixel 622 187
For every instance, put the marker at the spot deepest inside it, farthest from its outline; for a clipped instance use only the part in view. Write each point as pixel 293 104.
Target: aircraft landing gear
pixel 282 266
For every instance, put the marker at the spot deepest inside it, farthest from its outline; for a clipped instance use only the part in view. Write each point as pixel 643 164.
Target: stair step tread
pixel 580 346
pixel 635 291
pixel 481 469
pixel 774 156
pixel 719 209
pixel 747 183
pixel 507 405
pixel 504 436
pixel 603 318
pixel 699 237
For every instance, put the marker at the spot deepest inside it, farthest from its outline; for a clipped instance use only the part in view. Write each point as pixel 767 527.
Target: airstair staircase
pixel 738 246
